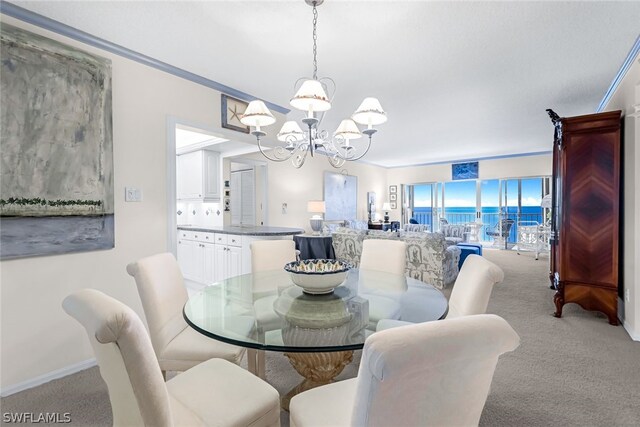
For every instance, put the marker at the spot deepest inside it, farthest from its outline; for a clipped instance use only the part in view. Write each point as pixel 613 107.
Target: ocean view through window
pixel 480 201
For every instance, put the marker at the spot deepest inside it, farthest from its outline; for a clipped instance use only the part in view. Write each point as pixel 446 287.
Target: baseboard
pixel 633 334
pixel 45 378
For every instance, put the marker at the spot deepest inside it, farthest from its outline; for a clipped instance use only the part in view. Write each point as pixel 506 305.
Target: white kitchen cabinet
pixel 198 176
pixel 187 258
pixel 207 257
pixel 195 256
pixel 228 255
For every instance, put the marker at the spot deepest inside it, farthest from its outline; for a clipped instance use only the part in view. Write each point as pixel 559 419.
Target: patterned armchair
pixel 456 233
pixel 347 244
pixel 428 257
pixel 416 227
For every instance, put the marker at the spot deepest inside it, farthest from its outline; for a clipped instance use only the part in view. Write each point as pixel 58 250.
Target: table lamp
pixel 317 208
pixel 386 207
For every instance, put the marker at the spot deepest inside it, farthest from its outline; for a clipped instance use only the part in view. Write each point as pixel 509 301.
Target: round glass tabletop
pixel 266 311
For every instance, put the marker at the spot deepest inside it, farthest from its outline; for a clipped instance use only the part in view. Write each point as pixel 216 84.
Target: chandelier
pixel 311 98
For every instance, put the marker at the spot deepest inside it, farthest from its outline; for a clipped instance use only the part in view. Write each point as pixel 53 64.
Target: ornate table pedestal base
pixel 317 369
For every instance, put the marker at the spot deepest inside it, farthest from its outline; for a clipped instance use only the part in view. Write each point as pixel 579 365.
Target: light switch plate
pixel 284 208
pixel 132 194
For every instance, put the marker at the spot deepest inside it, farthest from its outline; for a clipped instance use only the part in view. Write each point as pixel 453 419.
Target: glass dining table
pixel 265 311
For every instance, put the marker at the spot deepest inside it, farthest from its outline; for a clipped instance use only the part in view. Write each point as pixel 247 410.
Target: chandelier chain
pixel 315 43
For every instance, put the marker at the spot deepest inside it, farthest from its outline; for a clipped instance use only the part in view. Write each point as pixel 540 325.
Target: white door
pixel 243 197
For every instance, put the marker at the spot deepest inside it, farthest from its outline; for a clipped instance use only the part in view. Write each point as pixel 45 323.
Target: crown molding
pixel 49 24
pixel 628 62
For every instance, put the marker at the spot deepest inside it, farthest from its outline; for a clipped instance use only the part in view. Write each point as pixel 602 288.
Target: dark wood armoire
pixel 585 221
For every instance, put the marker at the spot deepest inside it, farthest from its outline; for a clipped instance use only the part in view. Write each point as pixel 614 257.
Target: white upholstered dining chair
pixel 178 347
pixel 388 256
pixel 215 392
pixel 267 255
pixel 471 291
pixel 384 255
pixel 426 374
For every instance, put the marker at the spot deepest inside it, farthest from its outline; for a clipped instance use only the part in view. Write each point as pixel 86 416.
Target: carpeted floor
pixel 574 371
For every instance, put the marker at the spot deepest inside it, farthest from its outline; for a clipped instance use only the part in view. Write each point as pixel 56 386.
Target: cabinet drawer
pixel 205 237
pixel 234 240
pixel 186 235
pixel 220 239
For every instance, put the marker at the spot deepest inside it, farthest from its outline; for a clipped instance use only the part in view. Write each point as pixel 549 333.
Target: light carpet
pixel 574 371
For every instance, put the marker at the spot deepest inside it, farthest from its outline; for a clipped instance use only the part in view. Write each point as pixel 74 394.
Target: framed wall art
pixel 232 110
pixel 464 171
pixel 393 197
pixel 340 196
pixel 393 189
pixel 56 192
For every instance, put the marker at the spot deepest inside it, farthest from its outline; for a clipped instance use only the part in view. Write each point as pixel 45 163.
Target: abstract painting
pixel 340 196
pixel 56 183
pixel 464 171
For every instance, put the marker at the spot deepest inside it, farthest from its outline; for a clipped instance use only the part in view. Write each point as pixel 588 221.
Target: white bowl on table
pixel 318 276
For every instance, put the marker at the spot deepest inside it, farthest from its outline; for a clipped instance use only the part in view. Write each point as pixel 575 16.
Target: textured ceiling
pixel 458 80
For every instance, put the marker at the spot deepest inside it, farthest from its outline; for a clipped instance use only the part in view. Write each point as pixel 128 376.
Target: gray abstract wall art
pixel 340 196
pixel 56 146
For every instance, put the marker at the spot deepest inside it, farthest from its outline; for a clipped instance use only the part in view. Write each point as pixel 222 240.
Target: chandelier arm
pixel 299 160
pixel 336 161
pixel 365 151
pixel 353 158
pixel 273 159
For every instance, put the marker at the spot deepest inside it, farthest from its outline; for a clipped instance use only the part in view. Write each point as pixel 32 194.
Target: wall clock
pixel 232 109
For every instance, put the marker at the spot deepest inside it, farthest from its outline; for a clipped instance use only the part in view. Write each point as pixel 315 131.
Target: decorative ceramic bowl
pixel 318 276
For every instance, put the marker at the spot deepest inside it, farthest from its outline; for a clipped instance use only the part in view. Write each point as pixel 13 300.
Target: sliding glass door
pixel 484 205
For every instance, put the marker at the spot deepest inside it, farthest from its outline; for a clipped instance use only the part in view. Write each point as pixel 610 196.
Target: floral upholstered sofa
pixel 429 257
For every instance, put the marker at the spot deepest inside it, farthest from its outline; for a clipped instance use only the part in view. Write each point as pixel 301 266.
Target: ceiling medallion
pixel 311 98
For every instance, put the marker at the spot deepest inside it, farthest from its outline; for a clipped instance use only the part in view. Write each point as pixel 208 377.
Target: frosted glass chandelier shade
pixel 348 130
pixel 311 97
pixel 370 112
pixel 290 132
pixel 257 114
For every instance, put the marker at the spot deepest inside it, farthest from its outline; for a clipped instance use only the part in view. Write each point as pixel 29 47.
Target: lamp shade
pixel 370 112
pixel 316 206
pixel 257 114
pixel 386 206
pixel 311 97
pixel 348 130
pixel 290 132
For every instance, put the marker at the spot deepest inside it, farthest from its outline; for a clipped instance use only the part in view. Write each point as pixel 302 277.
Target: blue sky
pixel 462 193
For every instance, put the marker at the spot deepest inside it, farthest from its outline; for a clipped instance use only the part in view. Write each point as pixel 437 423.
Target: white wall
pixel 626 96
pixel 512 167
pixel 37 336
pixel 295 187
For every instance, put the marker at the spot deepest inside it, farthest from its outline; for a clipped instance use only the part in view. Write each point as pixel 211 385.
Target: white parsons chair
pixel 161 288
pixel 384 255
pixel 471 291
pixel 387 256
pixel 426 374
pixel 215 393
pixel 267 255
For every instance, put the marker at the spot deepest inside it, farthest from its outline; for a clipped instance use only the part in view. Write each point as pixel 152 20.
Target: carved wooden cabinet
pixel 586 211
